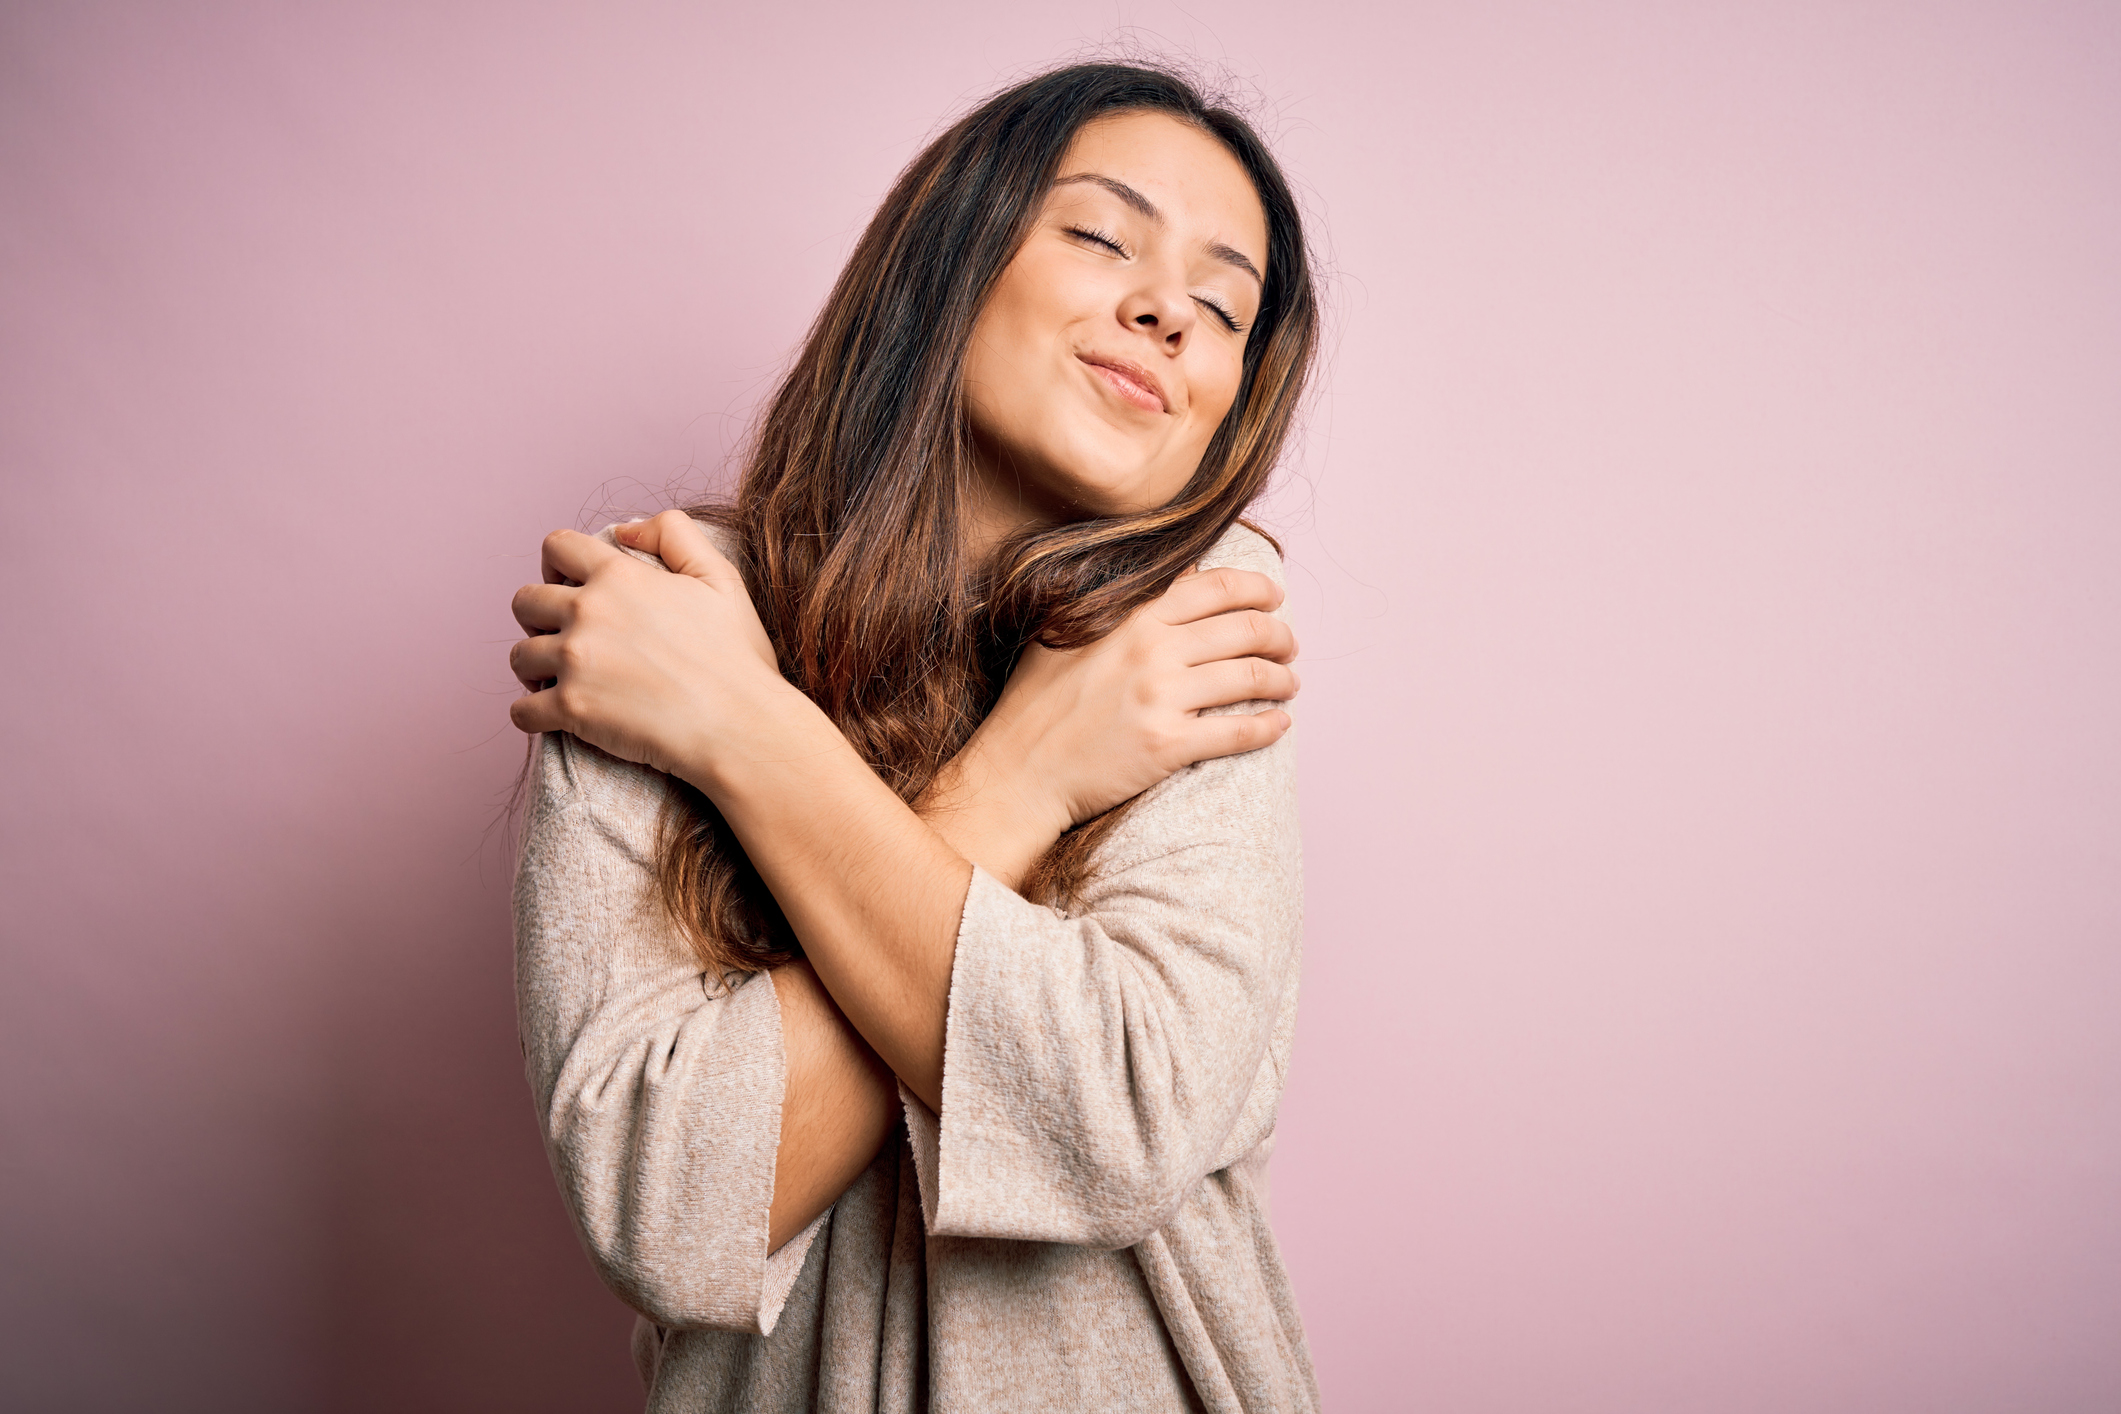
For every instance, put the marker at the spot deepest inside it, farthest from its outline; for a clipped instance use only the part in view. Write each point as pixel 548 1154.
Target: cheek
pixel 989 378
pixel 1214 393
pixel 1027 305
pixel 1002 364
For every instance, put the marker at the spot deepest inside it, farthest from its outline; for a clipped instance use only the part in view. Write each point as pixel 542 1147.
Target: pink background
pixel 1708 552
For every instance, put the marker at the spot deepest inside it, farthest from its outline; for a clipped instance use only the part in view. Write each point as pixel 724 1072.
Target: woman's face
pixel 1112 344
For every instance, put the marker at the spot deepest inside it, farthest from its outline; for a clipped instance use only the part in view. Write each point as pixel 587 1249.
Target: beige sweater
pixel 1083 1228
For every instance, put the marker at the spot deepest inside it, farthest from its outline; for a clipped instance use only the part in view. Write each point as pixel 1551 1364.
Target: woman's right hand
pixel 1077 732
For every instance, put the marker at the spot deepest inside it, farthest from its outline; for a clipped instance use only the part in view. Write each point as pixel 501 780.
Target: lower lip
pixel 1127 388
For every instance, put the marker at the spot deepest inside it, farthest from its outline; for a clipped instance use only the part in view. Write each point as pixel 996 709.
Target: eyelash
pixel 1097 237
pixel 1223 314
pixel 1111 243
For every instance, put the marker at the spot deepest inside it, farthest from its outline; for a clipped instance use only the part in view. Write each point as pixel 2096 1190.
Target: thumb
pixel 679 541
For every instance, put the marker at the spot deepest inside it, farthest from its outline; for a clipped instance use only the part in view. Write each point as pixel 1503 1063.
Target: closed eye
pixel 1099 238
pixel 1093 236
pixel 1222 312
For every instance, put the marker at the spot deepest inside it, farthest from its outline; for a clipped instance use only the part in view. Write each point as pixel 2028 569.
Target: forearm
pixel 839 1103
pixel 873 893
pixel 841 1099
pixel 986 812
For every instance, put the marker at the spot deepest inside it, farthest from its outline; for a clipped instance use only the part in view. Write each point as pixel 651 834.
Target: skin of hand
pixel 641 662
pixel 1107 354
pixel 674 671
pixel 671 670
pixel 1077 732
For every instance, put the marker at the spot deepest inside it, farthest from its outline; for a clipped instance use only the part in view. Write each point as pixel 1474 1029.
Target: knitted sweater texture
pixel 1083 1227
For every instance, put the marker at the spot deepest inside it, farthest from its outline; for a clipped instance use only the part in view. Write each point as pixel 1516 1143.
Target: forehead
pixel 1193 179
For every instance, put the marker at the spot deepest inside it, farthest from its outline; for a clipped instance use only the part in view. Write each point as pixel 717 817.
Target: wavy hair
pixel 853 499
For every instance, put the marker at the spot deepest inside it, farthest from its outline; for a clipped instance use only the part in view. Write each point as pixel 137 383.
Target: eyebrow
pixel 1227 254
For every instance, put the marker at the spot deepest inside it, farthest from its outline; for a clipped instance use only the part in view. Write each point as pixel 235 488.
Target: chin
pixel 1110 486
pixel 1098 497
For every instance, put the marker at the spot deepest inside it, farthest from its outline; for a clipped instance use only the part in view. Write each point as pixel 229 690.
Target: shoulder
pixel 1243 548
pixel 1227 807
pixel 578 792
pixel 585 809
pixel 576 786
pixel 576 783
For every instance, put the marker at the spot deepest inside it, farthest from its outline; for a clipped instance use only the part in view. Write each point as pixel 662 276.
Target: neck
pixel 1000 503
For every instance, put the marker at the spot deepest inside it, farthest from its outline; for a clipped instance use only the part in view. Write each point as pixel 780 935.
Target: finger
pixel 543 608
pixel 682 544
pixel 537 712
pixel 643 535
pixel 570 556
pixel 1217 591
pixel 1211 737
pixel 1241 633
pixel 1231 680
pixel 535 661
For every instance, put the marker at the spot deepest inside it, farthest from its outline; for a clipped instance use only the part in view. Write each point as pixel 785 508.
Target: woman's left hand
pixel 670 670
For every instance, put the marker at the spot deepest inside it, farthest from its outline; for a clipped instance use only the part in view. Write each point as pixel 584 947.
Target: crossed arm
pixel 841 1098
pixel 675 671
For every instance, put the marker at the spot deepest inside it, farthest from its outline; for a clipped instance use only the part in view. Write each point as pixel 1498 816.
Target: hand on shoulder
pixel 669 669
pixel 1077 732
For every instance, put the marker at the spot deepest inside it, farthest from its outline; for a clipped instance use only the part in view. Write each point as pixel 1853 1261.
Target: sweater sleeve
pixel 1098 1066
pixel 659 1094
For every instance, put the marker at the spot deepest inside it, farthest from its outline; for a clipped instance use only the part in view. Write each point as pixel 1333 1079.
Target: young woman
pixel 909 907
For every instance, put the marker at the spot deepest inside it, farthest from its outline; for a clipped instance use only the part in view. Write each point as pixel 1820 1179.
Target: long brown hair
pixel 853 498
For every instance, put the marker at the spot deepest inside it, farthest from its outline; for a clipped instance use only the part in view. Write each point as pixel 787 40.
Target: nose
pixel 1161 308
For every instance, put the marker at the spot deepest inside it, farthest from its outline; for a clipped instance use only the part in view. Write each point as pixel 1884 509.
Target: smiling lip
pixel 1131 381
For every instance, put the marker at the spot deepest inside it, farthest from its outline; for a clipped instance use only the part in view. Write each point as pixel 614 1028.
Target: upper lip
pixel 1132 370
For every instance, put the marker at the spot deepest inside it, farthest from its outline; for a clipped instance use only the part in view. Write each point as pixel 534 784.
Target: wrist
pixel 992 805
pixel 768 731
